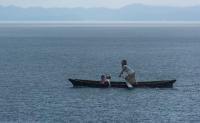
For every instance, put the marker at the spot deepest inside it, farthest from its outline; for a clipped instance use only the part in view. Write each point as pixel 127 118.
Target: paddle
pixel 127 83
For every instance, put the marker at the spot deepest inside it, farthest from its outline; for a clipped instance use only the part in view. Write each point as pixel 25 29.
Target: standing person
pixel 128 73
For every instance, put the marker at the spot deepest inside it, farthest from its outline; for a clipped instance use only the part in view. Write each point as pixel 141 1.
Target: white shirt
pixel 127 70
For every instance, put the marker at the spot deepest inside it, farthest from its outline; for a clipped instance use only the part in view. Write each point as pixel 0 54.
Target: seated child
pixel 105 79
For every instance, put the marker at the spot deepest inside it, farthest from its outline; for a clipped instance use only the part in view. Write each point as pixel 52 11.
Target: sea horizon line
pixel 101 23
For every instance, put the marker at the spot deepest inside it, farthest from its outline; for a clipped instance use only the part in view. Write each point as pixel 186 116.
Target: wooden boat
pixel 115 84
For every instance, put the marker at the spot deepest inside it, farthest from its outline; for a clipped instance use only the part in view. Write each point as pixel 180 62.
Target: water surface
pixel 36 61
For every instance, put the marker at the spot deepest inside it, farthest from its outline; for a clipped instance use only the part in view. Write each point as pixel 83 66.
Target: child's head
pixel 108 76
pixel 103 77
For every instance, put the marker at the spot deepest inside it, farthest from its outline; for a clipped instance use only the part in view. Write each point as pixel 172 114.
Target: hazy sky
pixel 96 3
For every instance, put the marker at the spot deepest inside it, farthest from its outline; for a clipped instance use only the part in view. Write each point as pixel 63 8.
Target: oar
pixel 127 83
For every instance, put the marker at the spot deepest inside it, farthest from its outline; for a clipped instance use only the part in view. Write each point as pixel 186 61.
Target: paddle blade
pixel 129 85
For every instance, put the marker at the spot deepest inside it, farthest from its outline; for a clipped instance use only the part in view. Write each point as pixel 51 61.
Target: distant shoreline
pixel 100 23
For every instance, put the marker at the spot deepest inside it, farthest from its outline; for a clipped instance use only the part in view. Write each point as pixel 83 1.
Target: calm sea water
pixel 35 63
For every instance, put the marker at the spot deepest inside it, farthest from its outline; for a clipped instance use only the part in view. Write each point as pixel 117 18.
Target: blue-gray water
pixel 35 63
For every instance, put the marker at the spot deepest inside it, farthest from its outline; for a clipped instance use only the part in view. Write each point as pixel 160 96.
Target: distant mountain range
pixel 135 12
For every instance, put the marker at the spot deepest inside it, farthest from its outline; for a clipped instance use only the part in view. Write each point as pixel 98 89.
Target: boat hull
pixel 115 84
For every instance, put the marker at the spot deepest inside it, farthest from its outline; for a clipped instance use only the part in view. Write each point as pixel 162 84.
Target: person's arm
pixel 123 68
pixel 121 73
